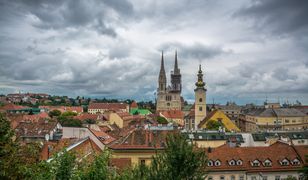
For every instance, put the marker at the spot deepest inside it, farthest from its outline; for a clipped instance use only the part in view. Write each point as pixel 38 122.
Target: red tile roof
pixel 110 106
pixel 173 114
pixel 12 106
pixel 86 116
pixel 275 153
pixel 35 129
pixel 102 136
pixel 143 139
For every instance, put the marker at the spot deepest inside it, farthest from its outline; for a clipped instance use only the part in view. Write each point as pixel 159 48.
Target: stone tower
pixel 200 99
pixel 162 80
pixel 176 83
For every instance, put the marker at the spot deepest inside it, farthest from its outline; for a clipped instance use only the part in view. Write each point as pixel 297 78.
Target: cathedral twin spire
pixel 175 75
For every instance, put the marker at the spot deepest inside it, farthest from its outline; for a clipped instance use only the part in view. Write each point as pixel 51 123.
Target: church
pixel 169 97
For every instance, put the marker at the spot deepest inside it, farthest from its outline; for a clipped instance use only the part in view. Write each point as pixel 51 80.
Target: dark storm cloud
pixel 195 51
pixel 58 14
pixel 278 16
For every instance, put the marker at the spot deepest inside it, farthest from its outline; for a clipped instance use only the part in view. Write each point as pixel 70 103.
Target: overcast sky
pixel 111 48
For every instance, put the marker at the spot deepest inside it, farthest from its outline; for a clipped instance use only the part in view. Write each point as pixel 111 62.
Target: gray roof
pixel 291 135
pixel 279 112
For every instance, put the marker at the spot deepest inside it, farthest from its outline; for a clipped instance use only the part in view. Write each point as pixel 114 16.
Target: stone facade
pixel 169 97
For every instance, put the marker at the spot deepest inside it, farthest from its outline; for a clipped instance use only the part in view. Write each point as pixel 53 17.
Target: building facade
pixel 169 97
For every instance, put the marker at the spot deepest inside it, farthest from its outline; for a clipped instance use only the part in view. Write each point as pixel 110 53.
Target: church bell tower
pixel 200 99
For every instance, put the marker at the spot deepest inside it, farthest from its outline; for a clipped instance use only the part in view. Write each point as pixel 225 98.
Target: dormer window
pixel 255 163
pixel 210 163
pixel 232 162
pixel 284 162
pixel 267 163
pixel 295 162
pixel 239 162
pixel 217 163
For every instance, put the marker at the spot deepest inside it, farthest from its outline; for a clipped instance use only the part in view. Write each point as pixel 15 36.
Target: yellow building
pixel 273 119
pixel 219 116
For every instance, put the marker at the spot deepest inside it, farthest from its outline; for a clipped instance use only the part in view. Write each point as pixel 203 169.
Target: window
pixel 255 163
pixel 241 177
pixel 253 178
pixel 217 163
pixel 277 177
pixel 295 162
pixel 232 163
pixel 267 163
pixel 142 161
pixel 264 178
pixel 222 177
pixel 232 177
pixel 210 178
pixel 239 162
pixel 286 121
pixel 200 108
pixel 284 162
pixel 200 99
pixel 210 163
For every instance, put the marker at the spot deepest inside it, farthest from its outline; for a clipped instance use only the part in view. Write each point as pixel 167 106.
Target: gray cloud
pixel 195 51
pixel 280 17
pixel 112 48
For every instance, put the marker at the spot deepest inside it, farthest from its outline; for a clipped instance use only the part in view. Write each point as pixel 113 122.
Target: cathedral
pixel 169 97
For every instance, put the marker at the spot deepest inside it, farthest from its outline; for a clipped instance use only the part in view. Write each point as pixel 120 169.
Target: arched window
pixel 200 108
pixel 217 163
pixel 284 162
pixel 232 162
pixel 267 163
pixel 255 163
pixel 210 163
pixel 295 162
pixel 200 99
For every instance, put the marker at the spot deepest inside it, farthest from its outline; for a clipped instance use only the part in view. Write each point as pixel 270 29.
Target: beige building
pixel 100 108
pixel 273 119
pixel 169 97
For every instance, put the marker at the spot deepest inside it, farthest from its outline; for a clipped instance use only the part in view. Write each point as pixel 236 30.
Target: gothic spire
pixel 162 66
pixel 176 67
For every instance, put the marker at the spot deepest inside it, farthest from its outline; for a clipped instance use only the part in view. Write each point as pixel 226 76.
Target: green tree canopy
pixel 55 112
pixel 161 120
pixel 213 125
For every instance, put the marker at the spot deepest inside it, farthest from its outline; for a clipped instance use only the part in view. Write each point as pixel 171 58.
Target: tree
pixel 55 112
pixel 7 148
pixel 180 160
pixel 99 168
pixel 68 113
pixel 213 125
pixel 64 166
pixel 161 120
pixel 15 160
